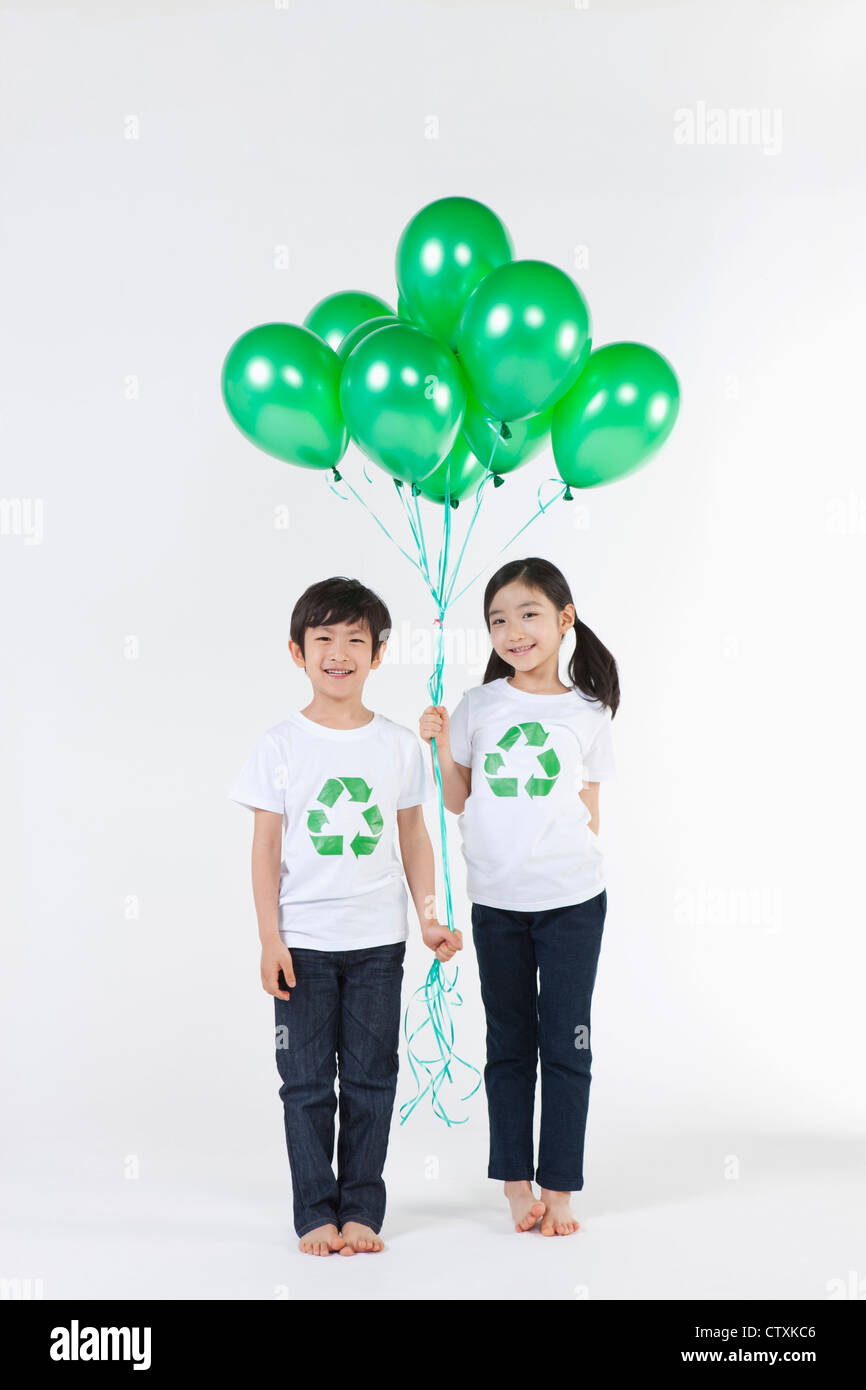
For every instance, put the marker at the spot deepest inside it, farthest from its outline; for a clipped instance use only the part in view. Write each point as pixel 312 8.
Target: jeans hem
pixel 559 1186
pixel 362 1220
pixel 307 1229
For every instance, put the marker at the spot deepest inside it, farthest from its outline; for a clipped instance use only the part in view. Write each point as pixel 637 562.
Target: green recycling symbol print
pixel 317 819
pixel 536 736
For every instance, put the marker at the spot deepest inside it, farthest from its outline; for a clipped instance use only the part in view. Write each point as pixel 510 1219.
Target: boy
pixel 328 786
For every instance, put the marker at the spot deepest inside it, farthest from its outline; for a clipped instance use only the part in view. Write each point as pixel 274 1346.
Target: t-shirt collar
pixel 529 695
pixel 310 726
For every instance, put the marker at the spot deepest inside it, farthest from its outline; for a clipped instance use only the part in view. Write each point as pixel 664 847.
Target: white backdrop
pixel 177 173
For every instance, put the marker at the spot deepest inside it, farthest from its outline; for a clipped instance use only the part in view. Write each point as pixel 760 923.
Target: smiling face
pixel 525 627
pixel 338 658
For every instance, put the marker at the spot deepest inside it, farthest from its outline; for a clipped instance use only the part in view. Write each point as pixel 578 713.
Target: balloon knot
pixel 454 502
pixel 505 431
pixel 338 477
pixel 567 495
pixel 415 489
pixel 498 480
pixel 398 482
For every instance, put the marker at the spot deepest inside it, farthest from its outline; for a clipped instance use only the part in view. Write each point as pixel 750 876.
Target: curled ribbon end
pixel 436 1069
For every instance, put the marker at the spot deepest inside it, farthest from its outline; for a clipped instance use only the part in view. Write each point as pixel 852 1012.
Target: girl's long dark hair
pixel 591 668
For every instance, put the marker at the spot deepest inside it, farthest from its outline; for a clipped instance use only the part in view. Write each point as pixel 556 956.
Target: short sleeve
pixel 261 784
pixel 599 764
pixel 461 742
pixel 418 785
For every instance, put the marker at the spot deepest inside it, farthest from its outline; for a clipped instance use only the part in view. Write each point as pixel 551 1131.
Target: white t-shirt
pixel 526 837
pixel 338 791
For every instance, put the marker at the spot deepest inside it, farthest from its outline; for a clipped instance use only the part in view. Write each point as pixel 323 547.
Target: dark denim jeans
pixel 344 1013
pixel 546 1017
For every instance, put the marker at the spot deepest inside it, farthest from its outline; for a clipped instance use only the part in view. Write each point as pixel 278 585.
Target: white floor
pixel 660 1219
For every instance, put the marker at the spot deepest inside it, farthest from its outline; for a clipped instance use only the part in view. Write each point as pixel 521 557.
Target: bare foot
pixel 321 1241
pixel 525 1206
pixel 358 1239
pixel 559 1219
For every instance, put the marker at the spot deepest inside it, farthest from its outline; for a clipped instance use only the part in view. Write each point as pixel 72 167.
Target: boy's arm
pixel 267 850
pixel 416 853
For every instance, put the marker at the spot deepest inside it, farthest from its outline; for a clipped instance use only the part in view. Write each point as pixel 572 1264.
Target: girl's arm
pixel 267 850
pixel 456 779
pixel 416 852
pixel 589 797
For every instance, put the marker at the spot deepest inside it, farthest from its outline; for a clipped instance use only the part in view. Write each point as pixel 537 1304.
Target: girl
pixel 513 759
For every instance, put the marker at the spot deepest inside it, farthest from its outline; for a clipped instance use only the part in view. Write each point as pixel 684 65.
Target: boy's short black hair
pixel 340 600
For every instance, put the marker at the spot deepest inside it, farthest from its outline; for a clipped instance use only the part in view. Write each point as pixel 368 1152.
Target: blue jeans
pixel 546 1018
pixel 344 1013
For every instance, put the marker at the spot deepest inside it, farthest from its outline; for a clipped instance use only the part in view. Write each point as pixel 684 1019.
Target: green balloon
pixel 460 469
pixel 357 335
pixel 444 252
pixel 622 408
pixel 402 396
pixel 281 386
pixel 522 338
pixel 523 440
pixel 403 310
pixel 337 314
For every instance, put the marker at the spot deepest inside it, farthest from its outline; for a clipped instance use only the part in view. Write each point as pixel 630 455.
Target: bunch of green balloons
pixel 485 358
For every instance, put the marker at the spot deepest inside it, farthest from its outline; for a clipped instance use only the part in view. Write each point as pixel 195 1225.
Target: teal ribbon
pixel 340 479
pixel 439 994
pixel 564 492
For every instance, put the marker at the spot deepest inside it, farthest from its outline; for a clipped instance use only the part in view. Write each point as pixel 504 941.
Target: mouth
pixel 337 673
pixel 519 651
